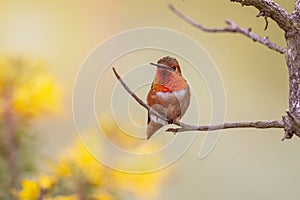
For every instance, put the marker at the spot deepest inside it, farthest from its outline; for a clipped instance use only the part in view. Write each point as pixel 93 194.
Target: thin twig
pixel 188 127
pixel 141 102
pixel 130 91
pixel 231 28
pixel 269 8
pixel 267 24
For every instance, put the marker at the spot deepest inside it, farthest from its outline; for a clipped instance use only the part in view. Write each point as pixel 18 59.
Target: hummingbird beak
pixel 161 66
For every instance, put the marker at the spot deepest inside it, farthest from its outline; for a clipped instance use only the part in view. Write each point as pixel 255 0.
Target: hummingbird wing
pixel 154 122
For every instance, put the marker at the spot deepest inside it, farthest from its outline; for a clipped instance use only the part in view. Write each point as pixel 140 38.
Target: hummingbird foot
pixel 172 130
pixel 170 121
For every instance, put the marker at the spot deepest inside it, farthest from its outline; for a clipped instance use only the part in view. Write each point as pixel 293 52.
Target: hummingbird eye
pixel 174 68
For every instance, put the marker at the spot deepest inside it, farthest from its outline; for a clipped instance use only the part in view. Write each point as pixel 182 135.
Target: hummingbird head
pixel 168 75
pixel 168 63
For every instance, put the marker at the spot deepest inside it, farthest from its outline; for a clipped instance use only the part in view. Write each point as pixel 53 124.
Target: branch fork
pixel 232 28
pixel 290 24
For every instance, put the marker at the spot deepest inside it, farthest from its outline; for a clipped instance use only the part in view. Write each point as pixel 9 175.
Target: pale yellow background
pixel 246 164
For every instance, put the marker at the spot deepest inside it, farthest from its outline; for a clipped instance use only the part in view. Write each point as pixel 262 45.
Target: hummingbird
pixel 169 95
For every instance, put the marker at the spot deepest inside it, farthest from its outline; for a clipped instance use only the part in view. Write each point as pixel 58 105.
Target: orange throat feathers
pixel 168 81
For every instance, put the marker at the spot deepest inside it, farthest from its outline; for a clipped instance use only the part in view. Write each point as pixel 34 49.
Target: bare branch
pixel 231 28
pixel 251 124
pixel 130 91
pixel 141 102
pixel 188 127
pixel 270 9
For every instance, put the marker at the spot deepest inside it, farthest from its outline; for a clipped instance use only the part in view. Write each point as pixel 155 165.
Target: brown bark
pixel 292 36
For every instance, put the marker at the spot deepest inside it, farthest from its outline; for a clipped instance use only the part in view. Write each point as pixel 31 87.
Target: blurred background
pixel 44 43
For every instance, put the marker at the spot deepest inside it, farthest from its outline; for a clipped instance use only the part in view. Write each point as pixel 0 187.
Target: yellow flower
pixel 143 184
pixel 79 162
pixel 30 190
pixel 78 166
pixel 89 167
pixel 63 168
pixel 140 184
pixel 37 95
pixel 27 86
pixel 47 182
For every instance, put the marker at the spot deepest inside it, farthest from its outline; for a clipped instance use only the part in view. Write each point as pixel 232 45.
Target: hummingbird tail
pixel 152 127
